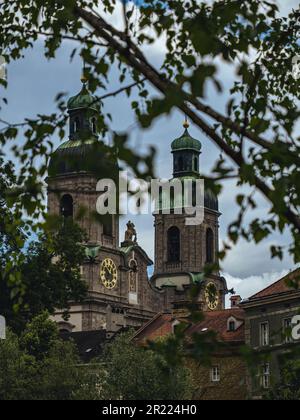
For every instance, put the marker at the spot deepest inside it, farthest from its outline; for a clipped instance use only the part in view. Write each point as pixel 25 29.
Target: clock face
pixel 212 296
pixel 109 274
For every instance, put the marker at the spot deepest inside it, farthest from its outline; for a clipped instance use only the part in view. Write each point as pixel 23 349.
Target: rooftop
pixel 217 321
pixel 284 285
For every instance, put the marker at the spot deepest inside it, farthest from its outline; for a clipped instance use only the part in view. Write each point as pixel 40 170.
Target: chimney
pixel 235 301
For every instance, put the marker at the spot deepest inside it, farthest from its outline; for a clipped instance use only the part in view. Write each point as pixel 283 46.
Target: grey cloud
pixel 35 81
pixel 248 286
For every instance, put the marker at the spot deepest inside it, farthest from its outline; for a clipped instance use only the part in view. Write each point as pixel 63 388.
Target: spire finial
pixel 84 78
pixel 186 124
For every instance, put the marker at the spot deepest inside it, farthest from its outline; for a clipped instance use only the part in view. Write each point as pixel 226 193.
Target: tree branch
pixel 136 59
pixel 123 89
pixel 99 22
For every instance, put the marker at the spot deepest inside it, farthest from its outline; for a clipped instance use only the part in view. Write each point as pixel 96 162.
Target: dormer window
pixel 233 324
pixel 232 327
pixel 175 325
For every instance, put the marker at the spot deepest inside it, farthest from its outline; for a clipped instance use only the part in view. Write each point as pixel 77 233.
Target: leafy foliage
pixel 40 366
pixel 49 275
pixel 43 275
pixel 257 130
pixel 289 387
pixel 135 373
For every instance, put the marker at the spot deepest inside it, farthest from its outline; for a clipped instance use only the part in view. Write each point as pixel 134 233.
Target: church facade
pixel 120 292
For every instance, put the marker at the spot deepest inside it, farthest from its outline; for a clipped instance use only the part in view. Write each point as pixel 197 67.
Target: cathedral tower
pixel 76 167
pixel 119 293
pixel 182 251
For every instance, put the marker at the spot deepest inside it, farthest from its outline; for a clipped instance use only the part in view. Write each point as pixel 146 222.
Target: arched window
pixel 94 125
pixel 210 253
pixel 172 199
pixel 180 164
pixel 65 327
pixel 194 197
pixel 108 225
pixel 76 125
pixel 174 244
pixel 196 162
pixel 67 206
pixel 160 201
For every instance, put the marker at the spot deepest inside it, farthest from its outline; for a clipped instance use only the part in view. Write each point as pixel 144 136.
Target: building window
pixel 209 246
pixel 265 376
pixel 194 189
pixel 232 326
pixel 76 125
pixel 287 330
pixel 176 326
pixel 215 374
pixel 264 334
pixel 108 225
pixel 180 164
pixel 172 200
pixel 174 244
pixel 94 125
pixel 196 162
pixel 67 206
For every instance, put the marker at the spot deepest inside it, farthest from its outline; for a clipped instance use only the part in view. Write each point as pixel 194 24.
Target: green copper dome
pixel 89 156
pixel 83 152
pixel 186 142
pixel 83 100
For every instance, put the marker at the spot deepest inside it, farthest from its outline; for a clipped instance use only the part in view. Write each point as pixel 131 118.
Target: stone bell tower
pixel 182 251
pixel 75 169
pixel 119 294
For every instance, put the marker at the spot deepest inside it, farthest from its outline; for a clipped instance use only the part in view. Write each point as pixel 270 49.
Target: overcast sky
pixel 33 85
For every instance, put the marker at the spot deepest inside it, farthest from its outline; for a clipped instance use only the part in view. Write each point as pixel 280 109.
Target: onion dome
pixel 186 142
pixel 83 100
pixel 83 152
pixel 89 156
pixel 186 152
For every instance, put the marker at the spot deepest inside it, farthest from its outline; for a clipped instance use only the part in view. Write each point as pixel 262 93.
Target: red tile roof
pixel 159 326
pixel 217 321
pixel 281 286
